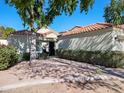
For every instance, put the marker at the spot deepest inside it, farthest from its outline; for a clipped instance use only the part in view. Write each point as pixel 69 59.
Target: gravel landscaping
pixel 72 75
pixel 66 70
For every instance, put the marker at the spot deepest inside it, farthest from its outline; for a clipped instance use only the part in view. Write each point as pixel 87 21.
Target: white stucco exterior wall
pixel 52 35
pixel 89 41
pixel 21 42
pixel 118 44
pixel 3 42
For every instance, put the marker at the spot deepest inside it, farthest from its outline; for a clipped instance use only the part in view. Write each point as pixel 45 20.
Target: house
pixel 25 40
pixel 95 37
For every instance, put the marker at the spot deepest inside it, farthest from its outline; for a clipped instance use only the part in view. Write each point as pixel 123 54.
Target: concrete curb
pixel 28 83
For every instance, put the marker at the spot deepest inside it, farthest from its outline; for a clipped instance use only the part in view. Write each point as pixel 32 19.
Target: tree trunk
pixel 32 48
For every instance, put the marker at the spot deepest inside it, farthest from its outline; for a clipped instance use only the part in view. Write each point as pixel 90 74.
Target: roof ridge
pixel 87 25
pixel 73 28
pixel 91 27
pixel 105 23
pixel 77 26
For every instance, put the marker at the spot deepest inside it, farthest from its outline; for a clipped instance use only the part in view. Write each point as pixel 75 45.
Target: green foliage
pixel 42 12
pixel 26 57
pixel 114 13
pixel 7 31
pixel 8 56
pixel 1 31
pixel 106 58
pixel 43 55
pixel 4 32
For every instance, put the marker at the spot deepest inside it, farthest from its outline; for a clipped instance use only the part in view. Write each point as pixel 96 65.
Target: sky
pixel 10 18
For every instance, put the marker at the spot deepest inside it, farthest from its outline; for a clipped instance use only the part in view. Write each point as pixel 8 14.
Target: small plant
pixel 99 71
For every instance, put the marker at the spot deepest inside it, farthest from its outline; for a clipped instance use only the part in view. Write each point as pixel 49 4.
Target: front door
pixel 51 48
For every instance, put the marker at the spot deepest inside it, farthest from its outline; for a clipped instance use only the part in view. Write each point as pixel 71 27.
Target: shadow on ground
pixel 115 72
pixel 101 86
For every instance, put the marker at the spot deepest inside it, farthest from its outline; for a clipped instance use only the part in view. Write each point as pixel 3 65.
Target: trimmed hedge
pixel 8 56
pixel 26 56
pixel 43 55
pixel 106 58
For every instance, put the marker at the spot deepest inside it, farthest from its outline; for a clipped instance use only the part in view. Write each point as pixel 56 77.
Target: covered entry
pixel 46 46
pixel 51 48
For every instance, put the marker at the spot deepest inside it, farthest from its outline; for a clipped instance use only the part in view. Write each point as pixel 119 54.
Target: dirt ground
pixel 106 87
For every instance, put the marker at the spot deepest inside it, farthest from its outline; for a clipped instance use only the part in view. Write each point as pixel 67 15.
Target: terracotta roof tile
pixel 92 27
pixel 23 32
pixel 120 26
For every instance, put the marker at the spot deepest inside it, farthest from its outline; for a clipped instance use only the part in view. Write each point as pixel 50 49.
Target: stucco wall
pixel 52 35
pixel 20 42
pixel 118 44
pixel 3 42
pixel 90 41
pixel 23 44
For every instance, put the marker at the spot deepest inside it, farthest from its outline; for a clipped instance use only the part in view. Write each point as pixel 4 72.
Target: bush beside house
pixel 26 57
pixel 8 56
pixel 103 58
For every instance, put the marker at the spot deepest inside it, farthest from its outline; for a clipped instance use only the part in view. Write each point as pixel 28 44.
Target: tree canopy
pixel 42 12
pixel 5 31
pixel 114 12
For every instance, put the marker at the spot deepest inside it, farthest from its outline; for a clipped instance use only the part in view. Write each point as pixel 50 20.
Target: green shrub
pixel 8 56
pixel 104 58
pixel 42 55
pixel 26 57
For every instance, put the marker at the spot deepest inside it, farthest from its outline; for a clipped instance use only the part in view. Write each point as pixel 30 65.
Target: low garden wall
pixel 3 42
pixel 103 58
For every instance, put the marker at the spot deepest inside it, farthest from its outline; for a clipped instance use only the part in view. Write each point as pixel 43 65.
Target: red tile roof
pixel 120 26
pixel 23 32
pixel 92 27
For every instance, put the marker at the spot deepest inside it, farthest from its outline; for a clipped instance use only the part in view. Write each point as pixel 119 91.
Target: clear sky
pixel 9 17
